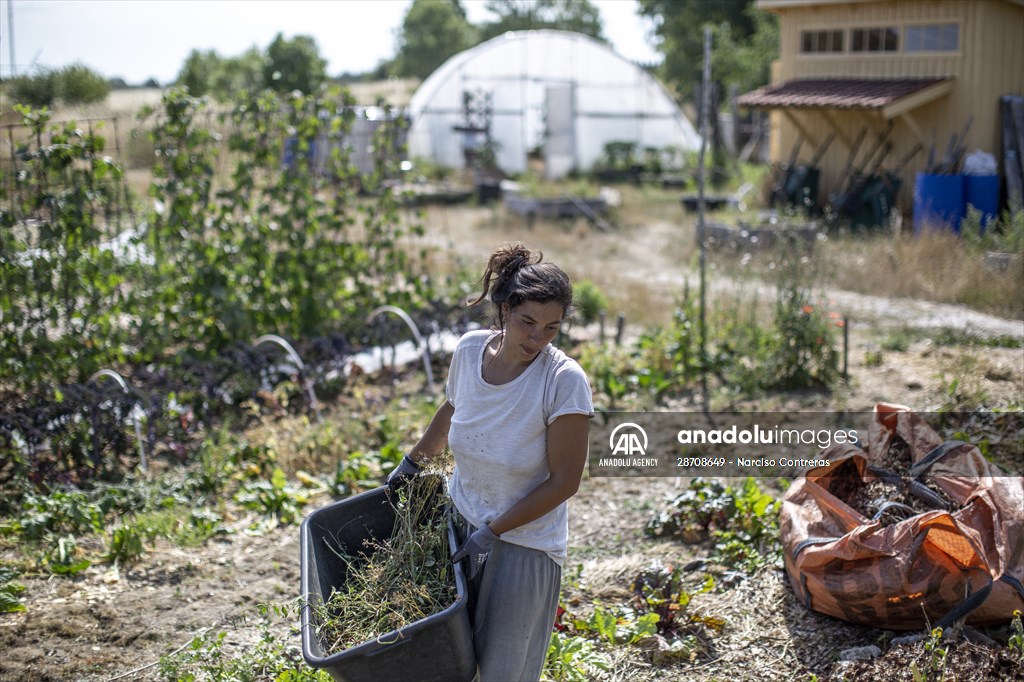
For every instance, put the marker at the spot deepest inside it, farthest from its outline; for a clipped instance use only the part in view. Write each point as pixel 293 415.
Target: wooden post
pixel 620 326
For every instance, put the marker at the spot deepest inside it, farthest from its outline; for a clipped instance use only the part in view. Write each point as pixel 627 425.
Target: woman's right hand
pixel 406 470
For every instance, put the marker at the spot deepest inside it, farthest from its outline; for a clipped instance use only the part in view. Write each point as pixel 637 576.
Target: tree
pixel 745 40
pixel 745 63
pixel 240 74
pixel 294 64
pixel 580 16
pixel 197 73
pixel 432 31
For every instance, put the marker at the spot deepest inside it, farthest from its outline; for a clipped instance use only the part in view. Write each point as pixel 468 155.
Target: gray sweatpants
pixel 516 599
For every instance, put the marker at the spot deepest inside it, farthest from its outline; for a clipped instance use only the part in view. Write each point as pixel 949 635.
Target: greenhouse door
pixel 560 142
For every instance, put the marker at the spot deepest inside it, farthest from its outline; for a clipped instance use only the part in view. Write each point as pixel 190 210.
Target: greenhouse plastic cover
pixel 585 93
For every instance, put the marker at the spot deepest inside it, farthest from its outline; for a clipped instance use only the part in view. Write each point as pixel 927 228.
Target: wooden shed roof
pixel 848 93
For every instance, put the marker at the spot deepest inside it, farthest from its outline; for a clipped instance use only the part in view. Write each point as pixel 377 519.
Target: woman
pixel 516 420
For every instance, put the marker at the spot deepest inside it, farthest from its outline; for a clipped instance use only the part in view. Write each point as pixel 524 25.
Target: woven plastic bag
pixel 930 568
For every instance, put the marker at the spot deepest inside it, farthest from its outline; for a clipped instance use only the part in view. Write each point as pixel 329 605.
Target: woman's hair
pixel 515 275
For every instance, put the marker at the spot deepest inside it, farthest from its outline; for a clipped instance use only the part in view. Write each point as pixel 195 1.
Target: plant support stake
pixel 701 230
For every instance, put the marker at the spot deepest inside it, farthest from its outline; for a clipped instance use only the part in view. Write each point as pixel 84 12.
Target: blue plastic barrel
pixel 938 202
pixel 982 192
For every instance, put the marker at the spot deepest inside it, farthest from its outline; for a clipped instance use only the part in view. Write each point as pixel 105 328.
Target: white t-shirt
pixel 498 437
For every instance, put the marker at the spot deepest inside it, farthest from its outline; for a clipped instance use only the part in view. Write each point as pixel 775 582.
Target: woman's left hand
pixel 476 548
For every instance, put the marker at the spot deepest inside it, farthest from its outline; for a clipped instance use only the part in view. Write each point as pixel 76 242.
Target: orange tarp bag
pixel 965 558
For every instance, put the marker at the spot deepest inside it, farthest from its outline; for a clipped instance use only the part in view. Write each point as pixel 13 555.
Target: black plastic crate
pixel 439 647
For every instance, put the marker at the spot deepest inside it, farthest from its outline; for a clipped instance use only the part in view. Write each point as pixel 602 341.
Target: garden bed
pixel 742 236
pixel 557 207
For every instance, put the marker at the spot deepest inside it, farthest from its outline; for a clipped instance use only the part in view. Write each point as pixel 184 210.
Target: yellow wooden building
pixel 920 69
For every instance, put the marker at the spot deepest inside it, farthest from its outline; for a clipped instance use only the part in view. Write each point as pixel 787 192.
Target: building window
pixel 882 39
pixel 932 38
pixel 821 42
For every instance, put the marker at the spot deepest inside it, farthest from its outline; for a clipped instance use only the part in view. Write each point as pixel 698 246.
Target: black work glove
pixel 476 548
pixel 402 474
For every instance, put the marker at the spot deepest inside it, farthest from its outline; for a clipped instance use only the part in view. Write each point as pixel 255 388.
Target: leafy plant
pixel 274 498
pixel 64 199
pixel 936 659
pixel 659 591
pixel 792 348
pixel 189 529
pixel 1016 641
pixel 126 546
pixel 589 301
pixel 608 368
pixel 572 659
pixel 617 627
pixel 669 358
pixel 354 473
pixel 59 513
pixel 63 559
pixel 743 521
pixel 693 513
pixel 10 591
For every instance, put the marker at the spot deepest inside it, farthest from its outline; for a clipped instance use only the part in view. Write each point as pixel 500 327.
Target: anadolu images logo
pixel 629 442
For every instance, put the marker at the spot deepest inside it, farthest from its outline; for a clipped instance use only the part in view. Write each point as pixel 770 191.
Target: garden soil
pixel 109 624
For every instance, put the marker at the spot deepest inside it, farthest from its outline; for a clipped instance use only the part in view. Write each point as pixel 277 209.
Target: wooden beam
pixel 911 123
pixel 840 133
pixel 871 120
pixel 914 100
pixel 801 127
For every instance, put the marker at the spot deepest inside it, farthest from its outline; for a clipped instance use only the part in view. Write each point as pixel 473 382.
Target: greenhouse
pixel 561 94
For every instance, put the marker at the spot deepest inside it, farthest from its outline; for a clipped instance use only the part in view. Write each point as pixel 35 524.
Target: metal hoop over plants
pixel 307 382
pixel 143 463
pixel 420 343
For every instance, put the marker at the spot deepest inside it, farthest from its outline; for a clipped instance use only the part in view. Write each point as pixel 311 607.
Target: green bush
pixel 74 84
pixel 39 90
pixel 588 301
pixel 78 84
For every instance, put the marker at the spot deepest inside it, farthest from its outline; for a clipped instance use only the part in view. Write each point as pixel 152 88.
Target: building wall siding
pixel 988 65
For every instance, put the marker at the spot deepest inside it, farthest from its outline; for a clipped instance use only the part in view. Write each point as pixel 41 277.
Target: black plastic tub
pixel 712 202
pixel 439 647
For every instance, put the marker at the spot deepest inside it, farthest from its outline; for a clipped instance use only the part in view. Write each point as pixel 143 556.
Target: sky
pixel 141 39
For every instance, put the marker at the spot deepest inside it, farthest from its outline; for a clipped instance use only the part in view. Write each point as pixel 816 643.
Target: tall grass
pixel 933 266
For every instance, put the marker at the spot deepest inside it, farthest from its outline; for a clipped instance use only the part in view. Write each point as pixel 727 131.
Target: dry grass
pixel 395 91
pixel 933 266
pixel 404 579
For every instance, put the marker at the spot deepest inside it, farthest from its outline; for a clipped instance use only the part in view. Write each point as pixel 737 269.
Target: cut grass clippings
pixel 396 581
